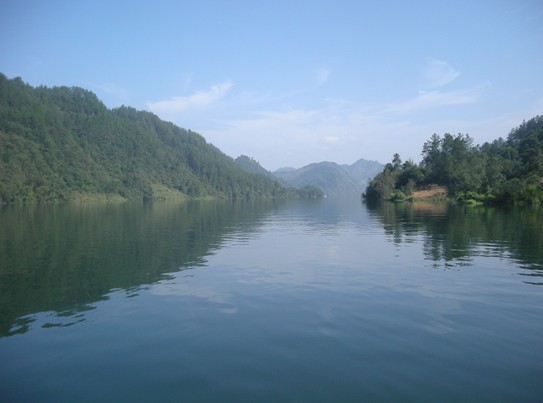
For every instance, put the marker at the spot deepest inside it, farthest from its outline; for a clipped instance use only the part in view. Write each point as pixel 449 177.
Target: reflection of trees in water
pixel 454 234
pixel 62 259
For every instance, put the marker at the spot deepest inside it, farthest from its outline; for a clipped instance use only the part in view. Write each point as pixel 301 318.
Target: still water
pixel 324 300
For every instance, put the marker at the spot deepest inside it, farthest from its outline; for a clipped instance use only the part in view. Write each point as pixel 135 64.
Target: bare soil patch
pixel 434 192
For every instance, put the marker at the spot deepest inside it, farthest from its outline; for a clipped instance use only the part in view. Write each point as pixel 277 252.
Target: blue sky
pixel 293 82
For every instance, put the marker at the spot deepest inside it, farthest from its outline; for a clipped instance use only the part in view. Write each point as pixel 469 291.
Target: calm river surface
pixel 274 301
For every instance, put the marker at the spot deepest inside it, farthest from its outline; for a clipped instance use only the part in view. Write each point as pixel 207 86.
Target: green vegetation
pixel 302 191
pixel 309 192
pixel 503 172
pixel 59 144
pixel 249 164
pixel 334 179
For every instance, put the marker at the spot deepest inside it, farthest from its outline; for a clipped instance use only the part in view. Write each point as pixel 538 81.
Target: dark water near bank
pixel 271 301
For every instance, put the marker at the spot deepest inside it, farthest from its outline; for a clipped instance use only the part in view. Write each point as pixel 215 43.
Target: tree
pixel 502 171
pixel 58 143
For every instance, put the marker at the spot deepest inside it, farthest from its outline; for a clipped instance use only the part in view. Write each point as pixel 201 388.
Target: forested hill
pixel 250 165
pixel 62 143
pixel 333 179
pixel 506 171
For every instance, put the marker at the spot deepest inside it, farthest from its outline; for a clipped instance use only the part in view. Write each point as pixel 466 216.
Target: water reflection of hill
pixel 64 258
pixel 454 234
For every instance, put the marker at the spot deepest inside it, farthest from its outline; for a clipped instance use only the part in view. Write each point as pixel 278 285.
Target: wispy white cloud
pixel 292 122
pixel 199 99
pixel 438 73
pixel 436 98
pixel 278 130
pixel 340 130
pixel 285 134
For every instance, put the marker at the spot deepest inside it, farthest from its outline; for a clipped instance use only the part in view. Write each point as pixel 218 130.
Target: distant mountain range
pixel 332 178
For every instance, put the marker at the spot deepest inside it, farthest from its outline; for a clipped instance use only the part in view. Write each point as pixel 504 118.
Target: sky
pixel 290 83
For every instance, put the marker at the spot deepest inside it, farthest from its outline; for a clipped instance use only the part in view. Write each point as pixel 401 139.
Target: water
pixel 270 301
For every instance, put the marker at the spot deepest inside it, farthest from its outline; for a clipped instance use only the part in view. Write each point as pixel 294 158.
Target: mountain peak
pixel 334 179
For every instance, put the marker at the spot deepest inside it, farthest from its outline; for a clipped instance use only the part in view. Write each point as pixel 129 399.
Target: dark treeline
pixel 503 171
pixel 62 143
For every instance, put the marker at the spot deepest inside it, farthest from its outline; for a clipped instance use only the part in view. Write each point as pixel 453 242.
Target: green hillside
pixel 249 164
pixel 332 178
pixel 363 171
pixel 61 143
pixel 504 171
pixel 302 190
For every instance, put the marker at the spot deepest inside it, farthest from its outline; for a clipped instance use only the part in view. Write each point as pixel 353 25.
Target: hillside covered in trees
pixel 306 191
pixel 59 144
pixel 503 171
pixel 320 178
pixel 332 178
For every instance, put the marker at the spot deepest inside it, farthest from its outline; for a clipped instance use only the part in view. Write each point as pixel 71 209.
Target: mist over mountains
pixel 332 178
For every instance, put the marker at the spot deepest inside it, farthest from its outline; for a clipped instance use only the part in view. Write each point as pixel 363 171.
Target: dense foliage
pixel 503 171
pixel 333 179
pixel 302 191
pixel 251 165
pixel 62 143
